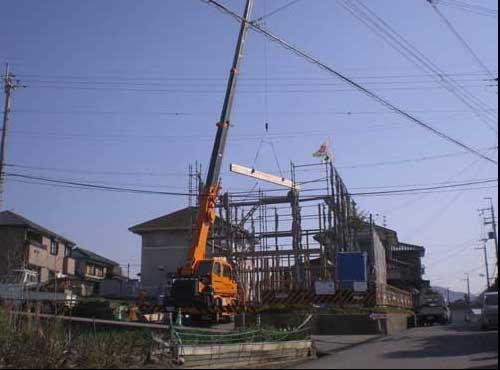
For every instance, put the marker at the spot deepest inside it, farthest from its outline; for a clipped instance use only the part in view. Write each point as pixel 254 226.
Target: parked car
pixel 433 309
pixel 489 317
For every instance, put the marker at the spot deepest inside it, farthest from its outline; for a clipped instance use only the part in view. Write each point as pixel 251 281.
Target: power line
pixel 138 77
pixel 357 86
pixel 182 174
pixel 89 186
pixel 179 114
pixel 81 185
pixel 454 186
pixel 380 27
pixel 298 90
pixel 469 8
pixel 276 11
pixel 460 38
pixel 198 137
pixel 409 160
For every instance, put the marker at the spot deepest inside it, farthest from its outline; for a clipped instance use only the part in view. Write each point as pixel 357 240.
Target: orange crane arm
pixel 205 220
pixel 208 198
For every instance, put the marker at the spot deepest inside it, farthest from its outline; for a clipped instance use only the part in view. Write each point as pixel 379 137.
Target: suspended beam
pixel 276 180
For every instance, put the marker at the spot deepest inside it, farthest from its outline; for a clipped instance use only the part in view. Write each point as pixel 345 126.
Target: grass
pixel 30 344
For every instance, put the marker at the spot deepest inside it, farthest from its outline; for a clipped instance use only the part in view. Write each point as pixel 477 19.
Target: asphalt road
pixel 459 346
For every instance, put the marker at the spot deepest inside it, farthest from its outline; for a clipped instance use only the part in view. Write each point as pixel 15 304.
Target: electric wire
pixel 352 83
pixel 460 38
pixel 180 194
pixel 276 11
pixel 469 8
pixel 380 27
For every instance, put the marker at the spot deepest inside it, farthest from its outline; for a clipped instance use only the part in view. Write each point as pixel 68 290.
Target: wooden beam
pixel 276 180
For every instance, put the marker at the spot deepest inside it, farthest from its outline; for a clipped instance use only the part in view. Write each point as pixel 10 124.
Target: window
pixel 228 273
pixel 204 268
pixel 217 269
pixel 67 252
pixel 54 247
pixel 99 272
pixel 491 300
pixel 90 270
pixel 35 238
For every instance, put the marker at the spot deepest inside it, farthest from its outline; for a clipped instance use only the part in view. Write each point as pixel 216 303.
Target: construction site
pixel 235 279
pixel 285 243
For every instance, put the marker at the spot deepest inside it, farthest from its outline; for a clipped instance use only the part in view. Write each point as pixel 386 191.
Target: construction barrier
pixel 380 295
pixel 250 349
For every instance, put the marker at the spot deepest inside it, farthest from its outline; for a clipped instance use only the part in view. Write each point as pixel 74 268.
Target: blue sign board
pixel 352 267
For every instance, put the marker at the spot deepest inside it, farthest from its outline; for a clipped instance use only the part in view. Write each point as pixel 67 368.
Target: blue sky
pixel 106 82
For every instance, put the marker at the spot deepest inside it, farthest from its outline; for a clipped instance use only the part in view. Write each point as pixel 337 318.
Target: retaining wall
pixel 331 324
pixel 246 356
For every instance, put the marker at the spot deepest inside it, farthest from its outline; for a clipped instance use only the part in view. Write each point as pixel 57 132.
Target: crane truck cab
pixel 206 294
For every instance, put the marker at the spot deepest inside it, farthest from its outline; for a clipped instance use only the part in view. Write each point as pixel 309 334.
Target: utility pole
pixel 489 216
pixel 9 86
pixel 469 298
pixel 468 302
pixel 485 249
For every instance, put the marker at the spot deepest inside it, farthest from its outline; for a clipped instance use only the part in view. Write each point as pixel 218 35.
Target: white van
pixel 490 311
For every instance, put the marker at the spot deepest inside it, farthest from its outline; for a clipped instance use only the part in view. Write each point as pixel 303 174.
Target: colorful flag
pixel 324 152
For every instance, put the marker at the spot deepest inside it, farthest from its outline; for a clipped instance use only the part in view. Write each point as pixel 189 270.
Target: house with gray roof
pixel 94 270
pixel 25 244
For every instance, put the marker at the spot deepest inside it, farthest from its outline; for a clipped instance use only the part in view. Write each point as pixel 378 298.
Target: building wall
pixel 16 253
pixel 163 253
pixel 166 250
pixel 12 241
pixel 40 256
pixel 379 260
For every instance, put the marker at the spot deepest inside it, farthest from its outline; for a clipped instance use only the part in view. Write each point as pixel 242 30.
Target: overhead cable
pixel 403 46
pixel 460 38
pixel 354 84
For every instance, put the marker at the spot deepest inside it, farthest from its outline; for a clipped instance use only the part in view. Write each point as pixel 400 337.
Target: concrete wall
pixel 162 249
pixel 166 250
pixel 379 260
pixel 280 355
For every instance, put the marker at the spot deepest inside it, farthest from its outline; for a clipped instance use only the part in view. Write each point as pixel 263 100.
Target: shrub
pixel 29 344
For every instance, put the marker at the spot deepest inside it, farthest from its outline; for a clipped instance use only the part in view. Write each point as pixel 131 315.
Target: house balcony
pixel 38 255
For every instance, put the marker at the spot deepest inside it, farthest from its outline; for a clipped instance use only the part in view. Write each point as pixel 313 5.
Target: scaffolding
pixel 291 238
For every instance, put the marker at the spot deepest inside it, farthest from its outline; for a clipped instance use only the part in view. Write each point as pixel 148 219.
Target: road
pixel 459 346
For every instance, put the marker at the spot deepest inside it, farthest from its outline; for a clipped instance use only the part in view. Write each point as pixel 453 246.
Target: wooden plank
pixel 250 172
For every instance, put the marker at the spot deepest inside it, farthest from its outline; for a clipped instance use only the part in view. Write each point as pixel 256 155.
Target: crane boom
pixel 208 197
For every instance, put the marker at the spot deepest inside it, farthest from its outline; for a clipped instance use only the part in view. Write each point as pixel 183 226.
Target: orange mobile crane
pixel 208 287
